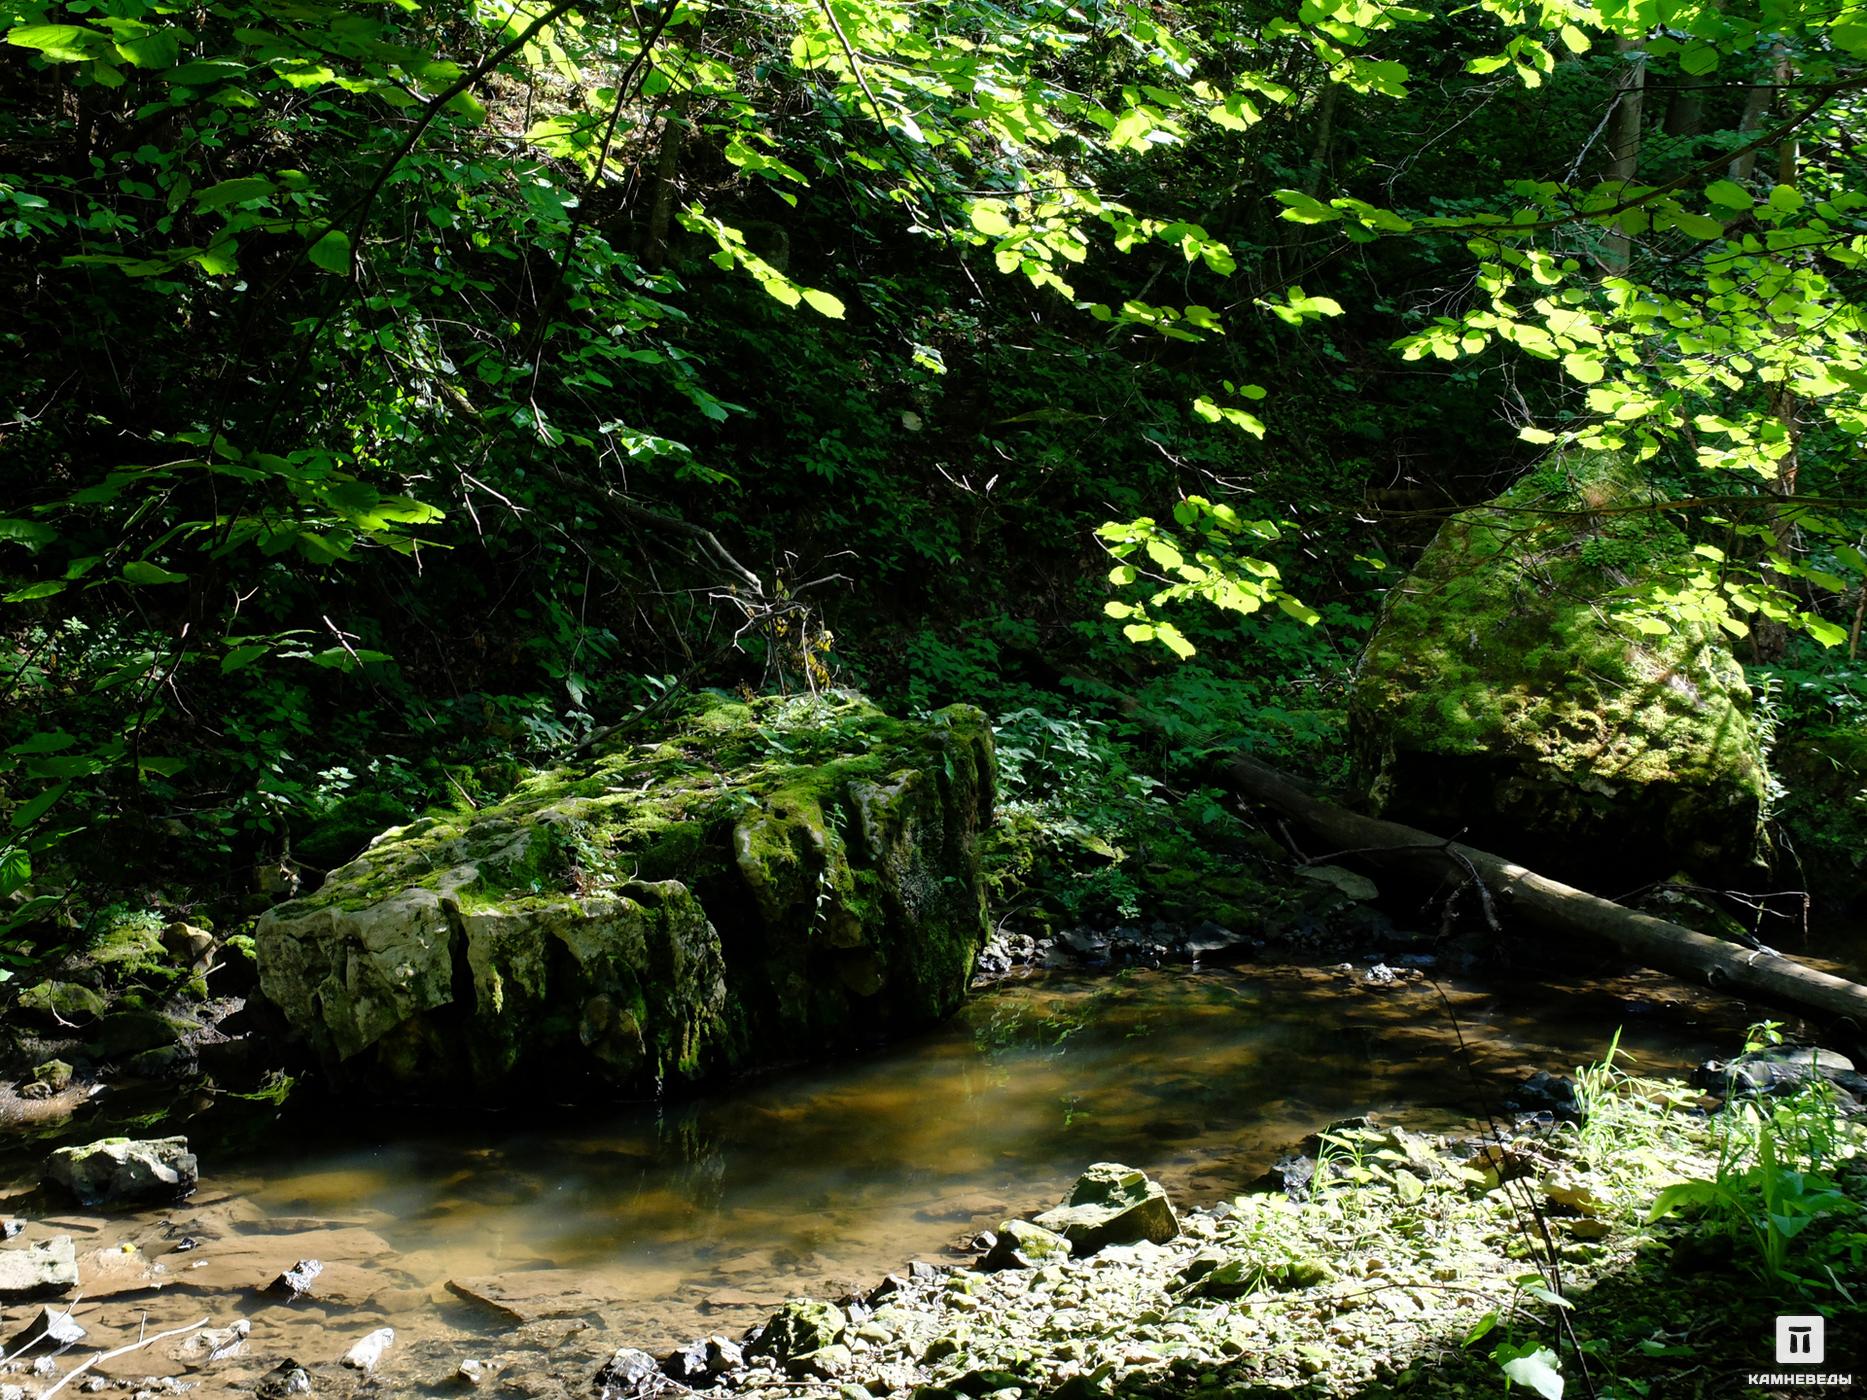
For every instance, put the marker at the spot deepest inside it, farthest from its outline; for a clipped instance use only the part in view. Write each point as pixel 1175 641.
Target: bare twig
pixel 101 1356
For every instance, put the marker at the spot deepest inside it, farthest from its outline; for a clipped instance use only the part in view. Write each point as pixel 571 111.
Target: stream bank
pixel 558 1237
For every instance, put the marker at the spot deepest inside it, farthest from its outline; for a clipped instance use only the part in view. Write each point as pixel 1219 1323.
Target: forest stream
pixel 658 1223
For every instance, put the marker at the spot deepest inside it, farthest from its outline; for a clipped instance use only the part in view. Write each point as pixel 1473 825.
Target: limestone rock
pixel 47 1328
pixel 128 1032
pixel 367 1352
pixel 1781 1069
pixel 55 1003
pixel 54 1074
pixel 772 879
pixel 800 1328
pixel 1512 690
pixel 1112 1204
pixel 114 1170
pixel 702 1360
pixel 629 1372
pixel 1022 1245
pixel 32 1272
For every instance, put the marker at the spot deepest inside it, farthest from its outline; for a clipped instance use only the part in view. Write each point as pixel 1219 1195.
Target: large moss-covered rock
pixel 1510 692
pixel 769 879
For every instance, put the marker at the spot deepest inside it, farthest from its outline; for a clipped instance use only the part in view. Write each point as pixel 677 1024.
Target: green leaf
pixel 233 192
pixel 1481 1328
pixel 1697 225
pixel 142 572
pixel 1301 208
pixel 221 260
pixel 61 43
pixel 1729 195
pixel 36 590
pixel 332 252
pixel 988 216
pixel 29 813
pixel 240 657
pixel 1301 611
pixel 54 741
pixel 823 303
pixel 15 869
pixel 1823 630
pixel 1172 638
pixel 1584 369
pixel 33 534
pixel 1537 1371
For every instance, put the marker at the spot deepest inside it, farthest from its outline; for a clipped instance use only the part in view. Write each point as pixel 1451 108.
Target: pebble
pixel 367 1352
pixel 296 1281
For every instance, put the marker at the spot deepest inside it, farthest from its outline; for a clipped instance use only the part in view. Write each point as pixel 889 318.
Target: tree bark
pixel 1626 124
pixel 1513 890
pixel 667 166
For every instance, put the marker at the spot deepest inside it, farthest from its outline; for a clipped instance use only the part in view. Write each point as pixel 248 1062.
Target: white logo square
pixel 1798 1341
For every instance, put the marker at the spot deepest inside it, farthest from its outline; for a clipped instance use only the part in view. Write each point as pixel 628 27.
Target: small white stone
pixel 366 1353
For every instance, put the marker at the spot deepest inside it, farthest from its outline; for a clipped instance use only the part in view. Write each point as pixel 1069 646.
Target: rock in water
pixel 49 1329
pixel 114 1170
pixel 31 1272
pixel 1516 688
pixel 296 1281
pixel 1022 1245
pixel 369 1350
pixel 287 1378
pixel 1112 1204
pixel 775 879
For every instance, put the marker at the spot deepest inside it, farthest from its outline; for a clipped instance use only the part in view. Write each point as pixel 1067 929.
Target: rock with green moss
pixel 1519 686
pixel 1112 1204
pixel 61 1003
pixel 766 880
pixel 116 1170
pixel 803 1327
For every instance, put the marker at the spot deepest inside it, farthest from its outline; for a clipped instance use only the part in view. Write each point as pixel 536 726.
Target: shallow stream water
pixel 651 1224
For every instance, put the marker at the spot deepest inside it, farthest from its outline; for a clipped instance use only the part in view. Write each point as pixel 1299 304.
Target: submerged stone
pixel 115 1170
pixel 1519 687
pixel 771 879
pixel 1112 1204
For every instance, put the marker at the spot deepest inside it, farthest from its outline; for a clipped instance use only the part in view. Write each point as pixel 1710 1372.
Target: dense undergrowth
pixel 379 372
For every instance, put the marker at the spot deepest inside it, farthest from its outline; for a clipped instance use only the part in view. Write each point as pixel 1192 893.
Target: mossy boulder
pixel 1112 1204
pixel 1520 688
pixel 766 880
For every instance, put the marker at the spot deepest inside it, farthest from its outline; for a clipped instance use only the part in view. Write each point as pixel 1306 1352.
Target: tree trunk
pixel 1625 126
pixel 1512 890
pixel 667 165
pixel 1325 140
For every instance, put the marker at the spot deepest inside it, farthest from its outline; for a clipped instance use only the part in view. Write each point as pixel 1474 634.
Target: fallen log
pixel 1505 885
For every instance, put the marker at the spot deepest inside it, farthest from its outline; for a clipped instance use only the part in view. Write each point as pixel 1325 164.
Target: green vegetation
pixel 400 395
